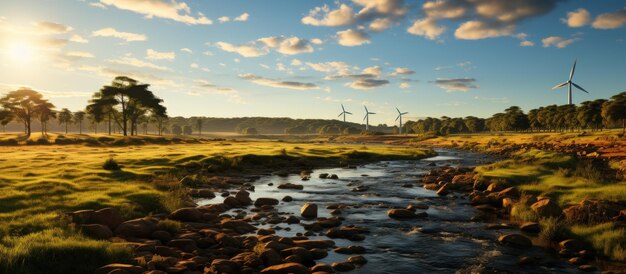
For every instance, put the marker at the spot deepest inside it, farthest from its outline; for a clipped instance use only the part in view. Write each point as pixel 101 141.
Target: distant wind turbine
pixel 569 84
pixel 367 118
pixel 344 112
pixel 400 117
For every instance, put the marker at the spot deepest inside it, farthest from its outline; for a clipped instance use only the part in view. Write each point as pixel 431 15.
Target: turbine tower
pixel 400 117
pixel 344 112
pixel 569 84
pixel 367 118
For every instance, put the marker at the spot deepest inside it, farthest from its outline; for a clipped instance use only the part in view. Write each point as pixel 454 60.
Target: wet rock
pixel 515 240
pixel 343 266
pixel 265 201
pixel 264 231
pixel 287 199
pixel 573 245
pixel 225 194
pixel 495 187
pixel 525 260
pixel 360 189
pixel 333 176
pixel 240 226
pixel 286 268
pixel 443 190
pixel 577 261
pixel 186 245
pixel 202 193
pixel 310 244
pixel 587 268
pixel 139 228
pixel 96 231
pixel 219 266
pixel 431 186
pixel 186 214
pixel 322 268
pixel 323 175
pixel 401 214
pixel 125 267
pixel 318 253
pixel 309 210
pixel 357 260
pixel 270 257
pixel 546 208
pixel 249 259
pixel 530 227
pixel 232 202
pixel 302 253
pixel 291 186
pixel 243 197
pixel 335 212
pixel 353 249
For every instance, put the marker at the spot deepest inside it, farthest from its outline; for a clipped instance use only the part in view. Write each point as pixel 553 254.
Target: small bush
pixel 552 229
pixel 175 198
pixel 589 170
pixel 521 210
pixel 171 226
pixel 111 164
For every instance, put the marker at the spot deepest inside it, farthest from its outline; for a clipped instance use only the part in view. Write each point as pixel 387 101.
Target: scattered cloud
pixel 249 50
pixel 127 36
pixel 109 73
pixel 456 84
pixel 610 20
pixel 281 44
pixel 467 65
pixel 426 27
pixel 578 18
pixel 350 38
pixel 558 42
pixel 475 30
pixel 296 62
pixel 206 87
pixel 336 67
pixel 45 27
pixel 47 93
pixel 78 39
pixel 134 62
pixel 402 71
pixel 187 50
pixel 380 24
pixel 405 85
pixel 277 84
pixel 79 54
pixel 243 17
pixel 156 55
pixel 323 16
pixel 367 83
pixel 524 42
pixel 166 9
pixel 223 19
pixel 98 5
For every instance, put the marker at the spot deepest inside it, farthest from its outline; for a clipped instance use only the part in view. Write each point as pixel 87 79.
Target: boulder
pixel 323 175
pixel 572 245
pixel 546 208
pixel 219 266
pixel 240 226
pixel 357 260
pixel 232 202
pixel 290 186
pixel 343 266
pixel 139 228
pixel 125 267
pixel 515 240
pixel 530 227
pixel 402 213
pixel 322 268
pixel 510 192
pixel 333 176
pixel 96 231
pixel 243 197
pixel 287 199
pixel 286 268
pixel 106 216
pixel 186 214
pixel 202 193
pixel 186 245
pixel 265 201
pixel 310 244
pixel 443 190
pixel 309 210
pixel 270 257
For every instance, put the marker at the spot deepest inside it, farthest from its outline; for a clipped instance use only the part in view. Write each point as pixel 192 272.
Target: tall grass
pixel 605 238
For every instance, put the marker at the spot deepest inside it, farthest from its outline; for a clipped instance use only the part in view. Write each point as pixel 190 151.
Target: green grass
pixel 58 251
pixel 605 238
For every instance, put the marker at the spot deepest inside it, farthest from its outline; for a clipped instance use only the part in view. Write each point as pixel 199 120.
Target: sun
pixel 20 52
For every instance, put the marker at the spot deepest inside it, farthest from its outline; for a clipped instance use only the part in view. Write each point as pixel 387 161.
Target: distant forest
pixel 130 108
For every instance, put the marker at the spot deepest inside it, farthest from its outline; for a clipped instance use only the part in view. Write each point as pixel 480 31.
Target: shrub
pixel 170 226
pixel 175 198
pixel 552 229
pixel 521 210
pixel 111 164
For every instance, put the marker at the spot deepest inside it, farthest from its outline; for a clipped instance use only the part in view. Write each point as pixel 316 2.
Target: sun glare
pixel 20 52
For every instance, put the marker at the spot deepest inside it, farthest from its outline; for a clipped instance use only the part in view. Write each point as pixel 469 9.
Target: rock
pixel 507 203
pixel 343 266
pixel 360 189
pixel 293 268
pixel 270 257
pixel 530 227
pixel 309 210
pixel 495 187
pixel 443 190
pixel 401 213
pixel 162 236
pixel 525 260
pixel 125 267
pixel 310 244
pixel 96 231
pixel 186 245
pixel 323 175
pixel 202 193
pixel 466 178
pixel 249 259
pixel 186 214
pixel 510 192
pixel 587 268
pixel 240 226
pixel 243 197
pixel 219 266
pixel 287 199
pixel 577 261
pixel 318 253
pixel 106 216
pixel 232 202
pixel 480 185
pixel 334 177
pixel 265 201
pixel 515 240
pixel 547 208
pixel 291 186
pixel 357 260
pixel 292 220
pixel 573 245
pixel 353 249
pixel 322 268
pixel 302 253
pixel 139 228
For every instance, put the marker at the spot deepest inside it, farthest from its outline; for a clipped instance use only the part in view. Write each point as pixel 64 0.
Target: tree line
pixel 589 115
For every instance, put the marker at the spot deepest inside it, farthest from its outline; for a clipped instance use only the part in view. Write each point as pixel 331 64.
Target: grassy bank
pixel 39 183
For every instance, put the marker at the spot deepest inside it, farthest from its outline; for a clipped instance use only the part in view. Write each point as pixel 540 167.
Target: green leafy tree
pixel 45 112
pixel 79 117
pixel 65 117
pixel 614 110
pixel 5 118
pixel 177 129
pixel 24 105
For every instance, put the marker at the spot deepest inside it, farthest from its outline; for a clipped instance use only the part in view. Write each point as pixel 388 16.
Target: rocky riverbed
pixel 385 217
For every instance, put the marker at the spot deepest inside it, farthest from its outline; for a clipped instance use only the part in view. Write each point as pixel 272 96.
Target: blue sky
pixel 302 59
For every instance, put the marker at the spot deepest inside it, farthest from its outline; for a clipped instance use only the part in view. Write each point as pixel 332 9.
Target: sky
pixel 302 59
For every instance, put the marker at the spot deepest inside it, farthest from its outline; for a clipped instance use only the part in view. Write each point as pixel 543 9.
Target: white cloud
pixel 156 55
pixel 380 24
pixel 336 67
pixel 167 9
pixel 527 43
pixel 134 62
pixel 405 85
pixel 288 46
pixel 352 38
pixel 223 19
pixel 456 84
pixel 557 41
pixel 79 54
pixel 523 37
pixel 51 28
pixel 367 83
pixel 243 17
pixel 402 71
pixel 78 39
pixel 243 50
pixel 426 27
pixel 277 84
pixel 474 30
pixel 374 71
pixel 187 50
pixel 98 5
pixel 445 9
pixel 577 18
pixel 610 20
pixel 194 65
pixel 296 62
pixel 111 32
pixel 323 16
pixel 317 41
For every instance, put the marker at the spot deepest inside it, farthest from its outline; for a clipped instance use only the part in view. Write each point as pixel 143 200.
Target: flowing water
pixel 446 241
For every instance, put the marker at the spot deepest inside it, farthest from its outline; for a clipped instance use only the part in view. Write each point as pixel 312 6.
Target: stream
pixel 447 241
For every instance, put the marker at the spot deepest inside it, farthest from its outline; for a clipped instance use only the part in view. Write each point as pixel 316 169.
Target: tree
pixel 79 117
pixel 45 113
pixel 614 110
pixel 65 117
pixel 160 122
pixel 130 100
pixel 5 118
pixel 187 130
pixel 589 114
pixel 199 126
pixel 24 105
pixel 177 130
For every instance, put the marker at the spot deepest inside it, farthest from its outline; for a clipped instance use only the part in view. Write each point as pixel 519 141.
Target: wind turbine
pixel 344 112
pixel 367 118
pixel 400 117
pixel 569 84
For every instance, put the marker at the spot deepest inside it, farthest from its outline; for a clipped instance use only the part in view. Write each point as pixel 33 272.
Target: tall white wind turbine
pixel 367 118
pixel 569 84
pixel 400 117
pixel 344 112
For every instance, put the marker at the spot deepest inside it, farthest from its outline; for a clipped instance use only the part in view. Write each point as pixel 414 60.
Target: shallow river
pixel 446 241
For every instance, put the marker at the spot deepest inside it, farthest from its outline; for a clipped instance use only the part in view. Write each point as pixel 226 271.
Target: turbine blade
pixel 405 113
pixel 365 108
pixel 343 108
pixel 365 117
pixel 559 85
pixel 340 114
pixel 571 75
pixel 579 87
pixel 397 117
pixel 349 113
pixel 372 113
pixel 398 110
